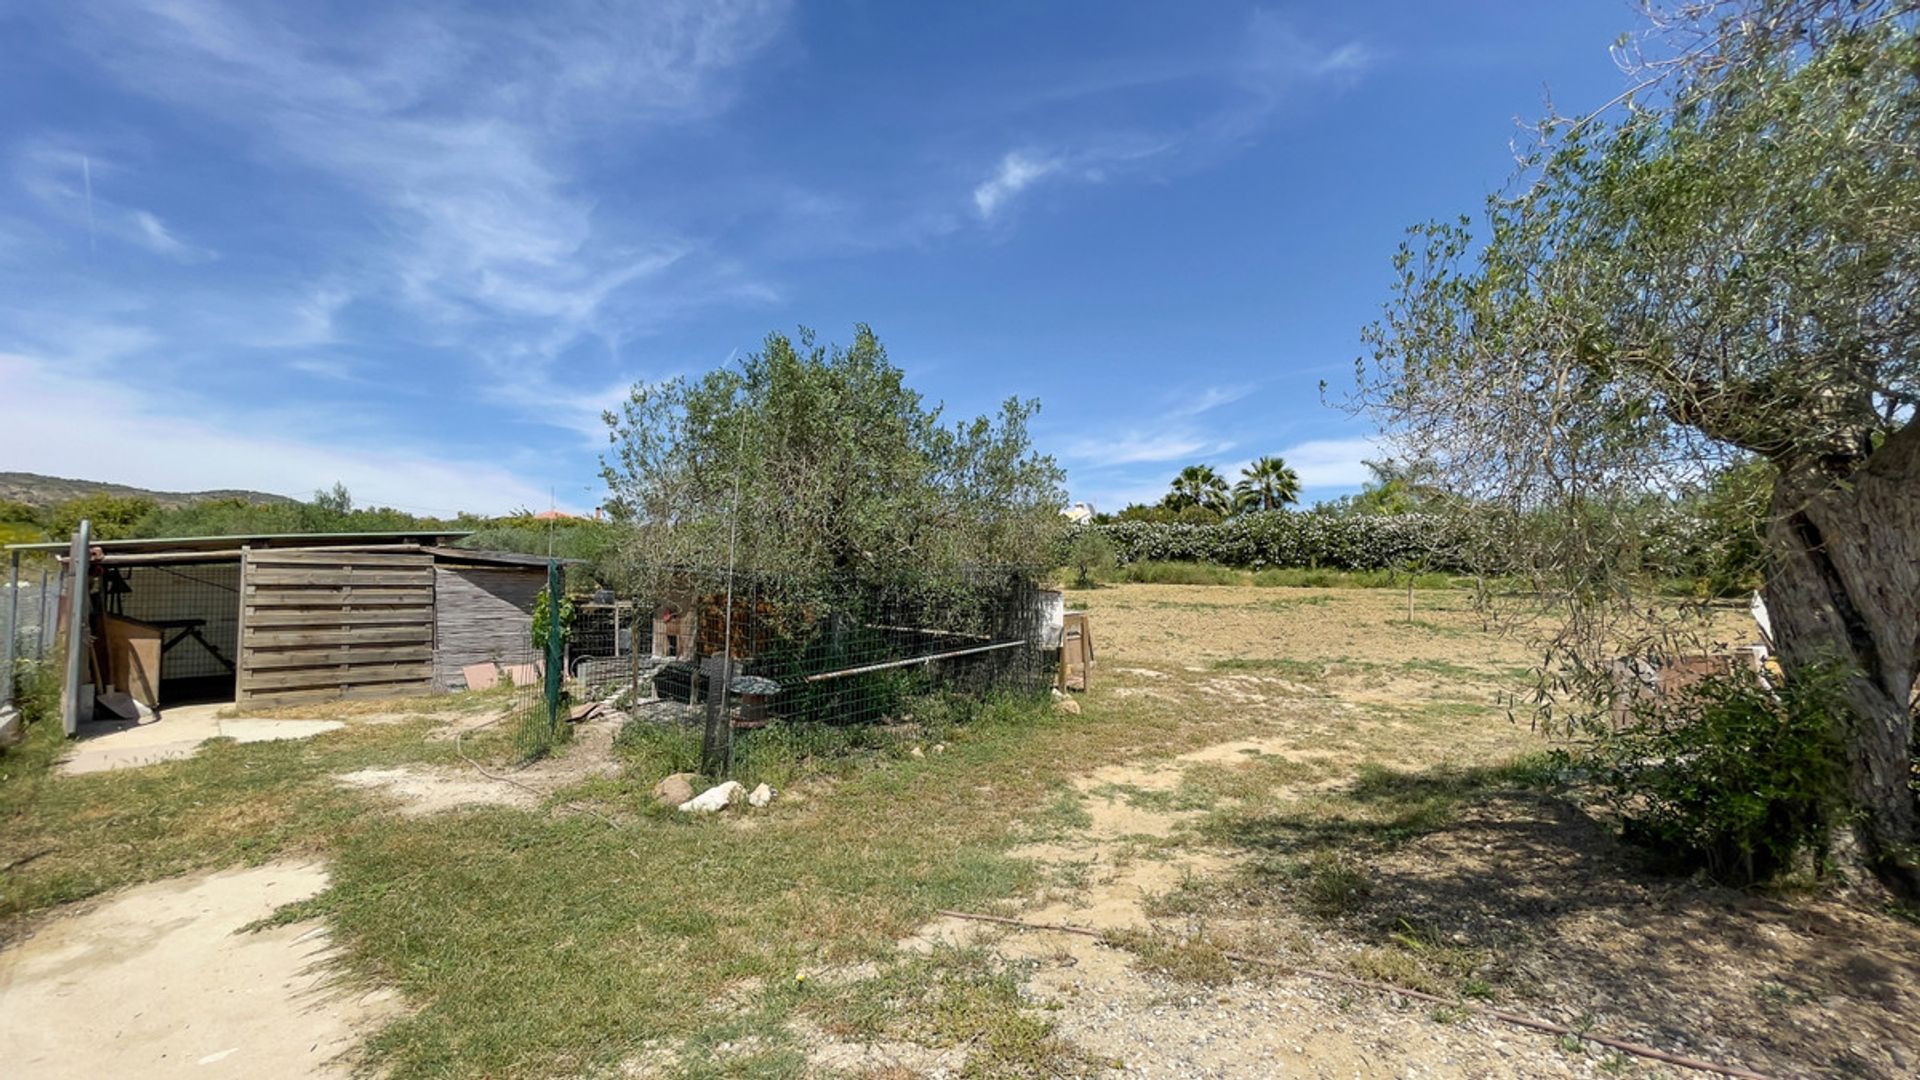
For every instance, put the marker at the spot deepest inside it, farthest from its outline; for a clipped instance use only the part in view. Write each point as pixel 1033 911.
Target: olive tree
pixel 830 466
pixel 1721 266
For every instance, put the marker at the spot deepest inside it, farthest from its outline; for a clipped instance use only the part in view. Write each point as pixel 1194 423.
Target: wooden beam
pixel 343 635
pixel 323 655
pixel 328 596
pixel 383 616
pixel 335 578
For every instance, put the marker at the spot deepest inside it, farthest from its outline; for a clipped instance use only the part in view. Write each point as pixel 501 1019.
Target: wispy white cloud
pixel 462 131
pixel 324 368
pixel 1273 62
pixel 83 192
pixel 1332 463
pixel 1017 172
pixel 180 445
pixel 1134 448
pixel 1210 398
pixel 1172 435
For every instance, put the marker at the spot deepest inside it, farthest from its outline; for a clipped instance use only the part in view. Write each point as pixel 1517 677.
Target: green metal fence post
pixel 556 646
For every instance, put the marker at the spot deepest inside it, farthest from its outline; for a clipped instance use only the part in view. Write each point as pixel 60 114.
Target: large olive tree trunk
pixel 1845 586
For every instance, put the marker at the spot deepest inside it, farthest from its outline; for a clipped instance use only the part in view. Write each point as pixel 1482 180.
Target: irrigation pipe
pixel 1636 1049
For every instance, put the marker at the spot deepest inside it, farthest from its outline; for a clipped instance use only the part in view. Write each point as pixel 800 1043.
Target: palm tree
pixel 1198 485
pixel 1267 484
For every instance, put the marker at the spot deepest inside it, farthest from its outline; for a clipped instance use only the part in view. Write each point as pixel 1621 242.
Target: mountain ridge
pixel 45 492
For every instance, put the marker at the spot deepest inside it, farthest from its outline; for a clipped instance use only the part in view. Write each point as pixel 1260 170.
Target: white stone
pixel 760 797
pixel 715 799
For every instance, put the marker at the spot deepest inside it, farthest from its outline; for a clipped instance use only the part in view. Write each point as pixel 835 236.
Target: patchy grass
pixel 548 943
pixel 1306 671
pixel 1156 572
pixel 230 804
pixel 1309 578
pixel 527 942
pixel 1148 572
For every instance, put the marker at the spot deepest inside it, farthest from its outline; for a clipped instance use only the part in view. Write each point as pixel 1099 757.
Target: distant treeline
pixel 121 517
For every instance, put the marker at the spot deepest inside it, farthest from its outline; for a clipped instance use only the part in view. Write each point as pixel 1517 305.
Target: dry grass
pixel 1296 770
pixel 1396 823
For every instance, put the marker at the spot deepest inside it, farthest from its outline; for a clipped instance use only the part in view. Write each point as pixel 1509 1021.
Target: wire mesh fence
pixel 29 613
pixel 697 650
pixel 700 648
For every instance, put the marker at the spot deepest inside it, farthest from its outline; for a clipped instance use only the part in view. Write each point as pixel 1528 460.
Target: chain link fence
pixel 29 616
pixel 727 656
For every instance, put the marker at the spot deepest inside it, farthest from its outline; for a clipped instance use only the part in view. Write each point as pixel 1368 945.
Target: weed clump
pixel 1740 779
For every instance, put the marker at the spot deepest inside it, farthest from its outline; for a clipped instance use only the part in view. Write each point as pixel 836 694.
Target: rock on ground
pixel 715 799
pixel 675 789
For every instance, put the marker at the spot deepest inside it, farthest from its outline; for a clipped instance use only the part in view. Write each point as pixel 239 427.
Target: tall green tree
pixel 1266 484
pixel 835 465
pixel 1724 263
pixel 111 517
pixel 1201 486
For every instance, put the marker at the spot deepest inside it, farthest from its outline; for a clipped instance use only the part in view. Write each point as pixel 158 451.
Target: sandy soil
pixel 176 733
pixel 158 981
pixel 1540 894
pixel 418 790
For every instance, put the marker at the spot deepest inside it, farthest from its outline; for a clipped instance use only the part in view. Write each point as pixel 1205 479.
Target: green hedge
pixel 1723 555
pixel 1283 538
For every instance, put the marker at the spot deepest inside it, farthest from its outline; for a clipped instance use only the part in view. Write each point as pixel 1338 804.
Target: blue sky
pixel 418 250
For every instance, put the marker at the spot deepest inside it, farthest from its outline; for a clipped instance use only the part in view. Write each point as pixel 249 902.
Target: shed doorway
pixel 171 630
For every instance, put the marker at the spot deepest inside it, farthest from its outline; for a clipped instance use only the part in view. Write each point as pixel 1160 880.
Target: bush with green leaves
pixel 1284 538
pixel 545 617
pixel 1089 552
pixel 1737 778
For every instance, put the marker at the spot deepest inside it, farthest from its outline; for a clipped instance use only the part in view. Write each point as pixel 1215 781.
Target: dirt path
pixel 157 981
pixel 418 790
pixel 1151 1025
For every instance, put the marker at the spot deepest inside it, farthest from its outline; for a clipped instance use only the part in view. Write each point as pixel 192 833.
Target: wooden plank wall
pixel 316 625
pixel 482 614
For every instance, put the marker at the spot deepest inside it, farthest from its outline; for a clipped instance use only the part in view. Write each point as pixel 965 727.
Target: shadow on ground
pixel 1494 882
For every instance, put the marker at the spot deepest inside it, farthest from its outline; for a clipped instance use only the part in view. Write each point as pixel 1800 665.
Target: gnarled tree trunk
pixel 1844 586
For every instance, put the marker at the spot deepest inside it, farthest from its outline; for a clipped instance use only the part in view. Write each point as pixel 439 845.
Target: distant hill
pixel 45 492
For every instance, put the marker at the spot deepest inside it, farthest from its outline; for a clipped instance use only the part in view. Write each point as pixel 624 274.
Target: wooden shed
pixel 268 620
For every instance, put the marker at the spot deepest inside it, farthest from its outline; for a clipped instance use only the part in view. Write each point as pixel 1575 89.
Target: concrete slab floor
pixel 175 733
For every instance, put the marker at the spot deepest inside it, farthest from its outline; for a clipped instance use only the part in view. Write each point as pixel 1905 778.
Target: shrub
pixel 1089 552
pixel 1735 778
pixel 1283 538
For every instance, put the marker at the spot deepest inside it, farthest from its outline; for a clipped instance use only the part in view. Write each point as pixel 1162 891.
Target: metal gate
pixel 316 625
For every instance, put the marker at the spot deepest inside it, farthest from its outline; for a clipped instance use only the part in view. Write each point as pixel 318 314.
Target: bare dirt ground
pixel 1356 831
pixel 177 733
pixel 162 980
pixel 418 790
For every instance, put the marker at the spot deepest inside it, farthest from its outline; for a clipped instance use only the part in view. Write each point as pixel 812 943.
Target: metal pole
pixel 40 628
pixel 556 645
pixel 719 741
pixel 76 626
pixel 13 630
